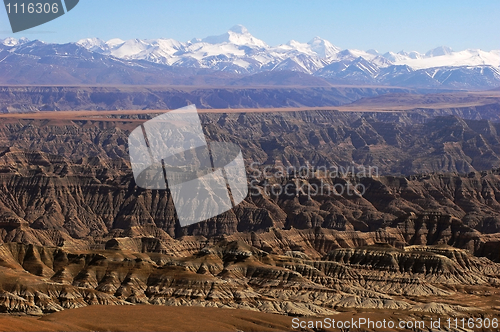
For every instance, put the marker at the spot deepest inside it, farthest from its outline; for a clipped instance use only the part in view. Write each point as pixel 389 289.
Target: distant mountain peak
pixel 238 51
pixel 92 44
pixel 115 42
pixel 316 39
pixel 373 52
pixel 238 28
pixel 323 47
pixel 237 35
pixel 294 43
pixel 9 41
pixel 438 51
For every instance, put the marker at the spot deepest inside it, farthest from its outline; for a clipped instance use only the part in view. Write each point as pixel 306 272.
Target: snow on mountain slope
pixel 468 57
pixel 13 41
pixel 130 48
pixel 203 49
pixel 237 35
pixel 439 51
pixel 402 56
pixel 94 45
pixel 154 50
pixel 115 42
pixel 294 46
pixel 237 51
pixel 238 46
pixel 352 54
pixel 323 48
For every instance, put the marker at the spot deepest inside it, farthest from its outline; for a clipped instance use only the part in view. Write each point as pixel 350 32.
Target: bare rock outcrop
pixel 234 274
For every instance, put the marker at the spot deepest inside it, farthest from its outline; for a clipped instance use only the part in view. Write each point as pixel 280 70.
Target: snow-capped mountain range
pixel 237 51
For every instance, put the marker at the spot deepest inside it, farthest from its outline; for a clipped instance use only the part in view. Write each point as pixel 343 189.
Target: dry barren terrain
pixel 423 241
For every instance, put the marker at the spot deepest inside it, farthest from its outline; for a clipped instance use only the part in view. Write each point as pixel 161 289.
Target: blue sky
pixel 382 25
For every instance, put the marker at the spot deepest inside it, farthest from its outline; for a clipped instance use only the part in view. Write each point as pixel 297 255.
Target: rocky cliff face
pixel 72 217
pixel 393 142
pixel 49 200
pixel 67 180
pixel 236 275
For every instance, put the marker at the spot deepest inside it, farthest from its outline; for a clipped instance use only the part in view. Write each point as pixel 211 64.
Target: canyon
pixel 423 237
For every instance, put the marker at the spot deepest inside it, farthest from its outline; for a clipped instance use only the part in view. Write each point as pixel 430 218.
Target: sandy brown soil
pixel 165 318
pixel 148 318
